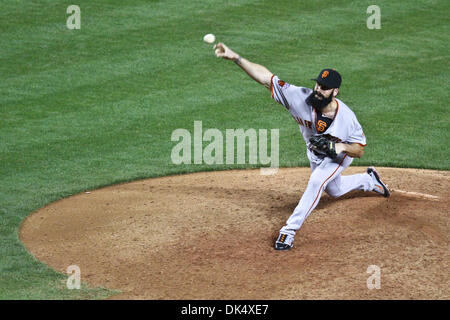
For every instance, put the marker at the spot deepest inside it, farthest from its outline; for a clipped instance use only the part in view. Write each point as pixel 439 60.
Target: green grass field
pixel 96 106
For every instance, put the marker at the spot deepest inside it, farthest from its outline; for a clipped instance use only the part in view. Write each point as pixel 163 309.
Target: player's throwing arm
pixel 257 72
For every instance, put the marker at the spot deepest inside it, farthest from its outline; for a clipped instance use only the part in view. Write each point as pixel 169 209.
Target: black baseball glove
pixel 322 145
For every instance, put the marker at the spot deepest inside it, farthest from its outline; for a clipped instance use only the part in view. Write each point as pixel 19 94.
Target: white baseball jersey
pixel 344 128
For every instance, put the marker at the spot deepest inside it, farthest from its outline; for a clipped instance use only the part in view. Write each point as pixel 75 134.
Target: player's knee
pixel 315 182
pixel 332 192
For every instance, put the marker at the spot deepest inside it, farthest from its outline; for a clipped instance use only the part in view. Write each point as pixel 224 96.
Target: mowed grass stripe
pixel 67 51
pixel 103 31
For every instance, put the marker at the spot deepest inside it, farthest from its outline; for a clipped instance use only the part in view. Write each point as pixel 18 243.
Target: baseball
pixel 209 38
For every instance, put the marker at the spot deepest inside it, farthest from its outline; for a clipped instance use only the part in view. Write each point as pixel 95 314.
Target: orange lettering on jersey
pixel 299 121
pixel 325 74
pixel 308 124
pixel 281 83
pixel 321 126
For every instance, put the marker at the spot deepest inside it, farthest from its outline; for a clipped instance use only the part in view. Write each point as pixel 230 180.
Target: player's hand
pixel 222 51
pixel 322 145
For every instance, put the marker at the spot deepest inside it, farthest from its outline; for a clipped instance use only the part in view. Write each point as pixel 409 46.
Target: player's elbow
pixel 355 150
pixel 360 152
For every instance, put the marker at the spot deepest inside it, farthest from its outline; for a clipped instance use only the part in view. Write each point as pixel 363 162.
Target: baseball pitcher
pixel 332 134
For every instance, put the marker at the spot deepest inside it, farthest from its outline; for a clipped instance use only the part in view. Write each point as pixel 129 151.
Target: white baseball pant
pixel 326 176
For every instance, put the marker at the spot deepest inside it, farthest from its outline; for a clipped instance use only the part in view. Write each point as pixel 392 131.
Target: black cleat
pixel 380 186
pixel 284 242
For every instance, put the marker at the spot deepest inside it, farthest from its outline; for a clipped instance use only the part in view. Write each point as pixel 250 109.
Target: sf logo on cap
pixel 325 74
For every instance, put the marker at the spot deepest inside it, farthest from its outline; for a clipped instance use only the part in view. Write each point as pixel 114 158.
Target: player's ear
pixel 335 92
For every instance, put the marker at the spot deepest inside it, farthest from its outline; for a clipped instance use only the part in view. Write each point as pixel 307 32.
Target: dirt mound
pixel 210 236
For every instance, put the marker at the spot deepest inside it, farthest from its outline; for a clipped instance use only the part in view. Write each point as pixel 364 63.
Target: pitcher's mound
pixel 211 235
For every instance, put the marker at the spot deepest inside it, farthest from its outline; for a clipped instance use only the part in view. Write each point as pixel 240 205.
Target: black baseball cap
pixel 330 78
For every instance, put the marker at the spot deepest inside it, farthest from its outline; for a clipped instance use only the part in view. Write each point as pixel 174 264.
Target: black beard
pixel 317 103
